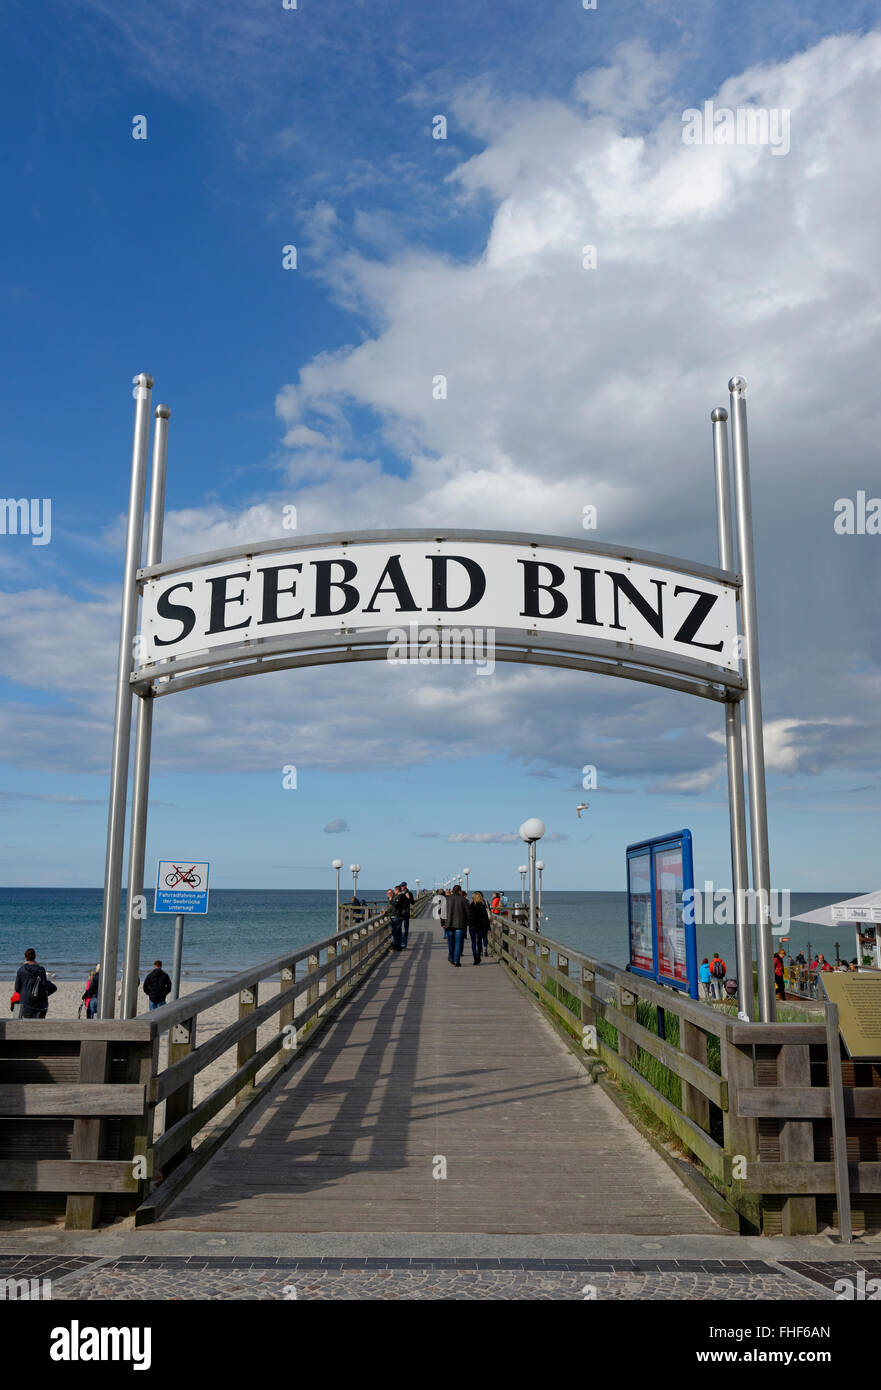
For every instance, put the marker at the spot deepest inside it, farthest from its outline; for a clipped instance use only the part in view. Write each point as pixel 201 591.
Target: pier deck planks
pixel 428 1060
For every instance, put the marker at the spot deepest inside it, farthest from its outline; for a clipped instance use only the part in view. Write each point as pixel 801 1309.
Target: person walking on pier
pixel 33 987
pixel 478 927
pixel 398 902
pixel 457 922
pixel 407 901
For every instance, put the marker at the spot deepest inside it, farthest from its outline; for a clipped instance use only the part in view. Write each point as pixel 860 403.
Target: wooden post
pixel 588 1012
pixel 330 979
pixel 740 1132
pixel 181 1041
pixel 796 1138
pixel 627 1048
pixel 84 1209
pixel 693 1042
pixel 563 967
pixel 246 1046
pixel 839 1129
pixel 286 1012
pixel 530 956
pixel 544 958
pixel 312 991
pixel 345 963
pixel 136 1132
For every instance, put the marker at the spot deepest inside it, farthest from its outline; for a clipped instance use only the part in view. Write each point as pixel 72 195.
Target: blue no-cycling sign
pixel 181 886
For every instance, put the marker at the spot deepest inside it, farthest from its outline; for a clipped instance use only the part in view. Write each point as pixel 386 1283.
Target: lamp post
pixel 417 887
pixel 539 864
pixel 531 831
pixel 354 870
pixel 337 864
pixel 466 872
pixel 522 871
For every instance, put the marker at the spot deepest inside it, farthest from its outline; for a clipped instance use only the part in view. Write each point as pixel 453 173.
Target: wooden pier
pixel 432 1069
pixel 375 1091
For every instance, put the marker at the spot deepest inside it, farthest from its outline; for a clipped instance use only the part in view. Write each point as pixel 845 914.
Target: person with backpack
pixel 33 987
pixel 717 974
pixel 157 985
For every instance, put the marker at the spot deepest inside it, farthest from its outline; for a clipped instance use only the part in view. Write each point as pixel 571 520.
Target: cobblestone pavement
pixel 233 1278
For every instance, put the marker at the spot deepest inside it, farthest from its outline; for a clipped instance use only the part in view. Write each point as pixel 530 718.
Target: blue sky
pixel 313 127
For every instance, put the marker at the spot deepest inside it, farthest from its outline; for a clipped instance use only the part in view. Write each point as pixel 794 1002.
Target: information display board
pixel 858 998
pixel 662 938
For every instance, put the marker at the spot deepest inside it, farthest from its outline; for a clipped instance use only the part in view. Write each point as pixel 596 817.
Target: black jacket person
pixel 32 984
pixel 157 985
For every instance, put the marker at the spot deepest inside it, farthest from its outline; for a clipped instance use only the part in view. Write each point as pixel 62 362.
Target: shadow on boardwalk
pixel 431 1069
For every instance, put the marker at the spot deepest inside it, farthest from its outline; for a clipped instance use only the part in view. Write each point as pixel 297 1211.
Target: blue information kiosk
pixel 660 917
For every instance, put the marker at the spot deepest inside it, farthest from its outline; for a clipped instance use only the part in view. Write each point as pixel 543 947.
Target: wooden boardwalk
pixel 426 1061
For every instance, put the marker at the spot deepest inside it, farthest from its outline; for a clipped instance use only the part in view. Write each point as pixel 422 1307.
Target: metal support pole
pixel 123 713
pixel 337 919
pixel 143 739
pixel 532 856
pixel 178 955
pixel 758 809
pixel 733 740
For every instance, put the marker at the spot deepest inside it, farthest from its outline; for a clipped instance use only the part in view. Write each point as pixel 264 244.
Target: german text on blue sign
pixel 660 911
pixel 181 886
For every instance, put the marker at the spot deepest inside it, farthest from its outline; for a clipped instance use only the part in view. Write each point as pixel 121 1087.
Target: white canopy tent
pixel 863 913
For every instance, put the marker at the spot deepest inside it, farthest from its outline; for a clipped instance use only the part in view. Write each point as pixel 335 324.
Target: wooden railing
pixel 79 1101
pixel 754 1105
pixel 352 916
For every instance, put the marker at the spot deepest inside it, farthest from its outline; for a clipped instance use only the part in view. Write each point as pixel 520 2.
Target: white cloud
pixel 633 82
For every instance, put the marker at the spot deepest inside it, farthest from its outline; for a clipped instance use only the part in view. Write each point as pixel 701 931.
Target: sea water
pixel 246 926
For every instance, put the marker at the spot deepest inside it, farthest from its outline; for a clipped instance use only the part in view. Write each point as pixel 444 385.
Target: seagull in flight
pixel 583 807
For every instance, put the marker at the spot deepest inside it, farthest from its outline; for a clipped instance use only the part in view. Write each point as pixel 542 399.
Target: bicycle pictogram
pixel 179 875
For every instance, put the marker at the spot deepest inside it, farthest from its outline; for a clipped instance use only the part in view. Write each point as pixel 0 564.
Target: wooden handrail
pixel 160 1020
pixel 348 955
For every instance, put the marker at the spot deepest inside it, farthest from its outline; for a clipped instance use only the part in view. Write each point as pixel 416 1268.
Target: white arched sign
pixel 547 600
pixel 232 613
